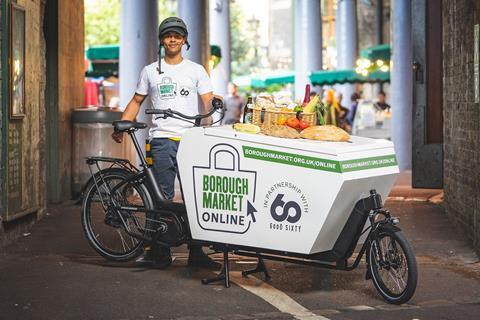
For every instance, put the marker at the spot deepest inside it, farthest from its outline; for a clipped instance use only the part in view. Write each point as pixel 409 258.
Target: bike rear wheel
pixel 392 265
pixel 102 222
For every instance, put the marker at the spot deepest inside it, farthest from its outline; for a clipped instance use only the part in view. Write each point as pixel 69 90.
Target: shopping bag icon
pixel 167 89
pixel 224 193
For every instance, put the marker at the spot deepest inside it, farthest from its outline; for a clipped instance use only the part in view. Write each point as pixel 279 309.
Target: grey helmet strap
pixel 159 68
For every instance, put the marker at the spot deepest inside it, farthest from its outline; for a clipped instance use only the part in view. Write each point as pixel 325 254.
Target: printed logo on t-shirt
pixel 185 91
pixel 167 88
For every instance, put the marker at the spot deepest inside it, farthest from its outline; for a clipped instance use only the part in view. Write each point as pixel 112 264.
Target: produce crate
pixel 263 117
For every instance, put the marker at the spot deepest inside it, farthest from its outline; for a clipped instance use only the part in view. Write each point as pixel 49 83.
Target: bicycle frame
pixel 333 249
pixel 145 175
pixel 158 195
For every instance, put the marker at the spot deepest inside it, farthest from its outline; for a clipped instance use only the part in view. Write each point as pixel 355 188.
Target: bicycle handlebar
pixel 166 113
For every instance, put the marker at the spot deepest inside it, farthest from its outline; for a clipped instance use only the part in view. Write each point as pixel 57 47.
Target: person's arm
pixel 130 113
pixel 205 90
pixel 206 107
pixel 133 107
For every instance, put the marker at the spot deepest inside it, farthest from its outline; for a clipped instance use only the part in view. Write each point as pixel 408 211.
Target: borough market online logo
pixel 224 193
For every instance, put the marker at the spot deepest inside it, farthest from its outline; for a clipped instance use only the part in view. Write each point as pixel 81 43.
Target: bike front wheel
pixel 105 226
pixel 392 265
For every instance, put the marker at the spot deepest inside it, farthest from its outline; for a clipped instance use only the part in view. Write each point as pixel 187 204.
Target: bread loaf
pixel 325 133
pixel 280 131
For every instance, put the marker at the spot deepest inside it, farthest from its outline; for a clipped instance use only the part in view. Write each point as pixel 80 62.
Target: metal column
pixel 220 36
pixel 346 33
pixel 195 15
pixel 138 48
pixel 308 42
pixel 379 33
pixel 401 83
pixel 379 22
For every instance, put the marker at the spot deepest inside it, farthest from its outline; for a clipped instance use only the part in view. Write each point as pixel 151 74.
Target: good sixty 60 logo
pixel 286 204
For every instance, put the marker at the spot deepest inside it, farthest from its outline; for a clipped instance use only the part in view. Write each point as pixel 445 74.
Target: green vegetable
pixel 320 110
pixel 298 109
pixel 310 107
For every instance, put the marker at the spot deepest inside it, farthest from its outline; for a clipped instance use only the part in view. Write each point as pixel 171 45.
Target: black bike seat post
pixel 143 161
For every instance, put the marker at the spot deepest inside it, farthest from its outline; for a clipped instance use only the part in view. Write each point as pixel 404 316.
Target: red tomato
pixel 293 122
pixel 303 124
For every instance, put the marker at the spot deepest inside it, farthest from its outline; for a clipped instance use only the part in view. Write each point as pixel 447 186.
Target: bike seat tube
pixel 138 149
pixel 158 194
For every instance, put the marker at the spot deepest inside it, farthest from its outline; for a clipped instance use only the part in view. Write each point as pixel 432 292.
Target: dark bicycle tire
pixel 111 241
pixel 398 253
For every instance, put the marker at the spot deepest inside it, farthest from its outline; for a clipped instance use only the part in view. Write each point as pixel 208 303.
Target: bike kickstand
pixel 260 268
pixel 224 274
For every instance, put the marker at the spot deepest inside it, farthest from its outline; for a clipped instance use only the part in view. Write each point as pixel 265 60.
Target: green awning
pixel 104 59
pixel 103 52
pixel 112 52
pixel 379 52
pixel 280 78
pixel 329 77
pixel 102 70
pixel 378 76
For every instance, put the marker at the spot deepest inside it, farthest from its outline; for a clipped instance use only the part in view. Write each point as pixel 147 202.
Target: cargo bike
pixel 293 200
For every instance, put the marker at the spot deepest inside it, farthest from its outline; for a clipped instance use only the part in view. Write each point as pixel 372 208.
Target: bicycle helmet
pixel 174 24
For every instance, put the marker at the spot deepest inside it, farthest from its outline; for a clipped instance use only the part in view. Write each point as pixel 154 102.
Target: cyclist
pixel 173 82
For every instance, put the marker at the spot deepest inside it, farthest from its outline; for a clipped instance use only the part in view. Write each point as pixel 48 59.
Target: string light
pixel 365 66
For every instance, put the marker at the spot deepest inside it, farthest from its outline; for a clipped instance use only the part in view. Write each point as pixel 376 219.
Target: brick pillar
pixel 1 123
pixel 461 118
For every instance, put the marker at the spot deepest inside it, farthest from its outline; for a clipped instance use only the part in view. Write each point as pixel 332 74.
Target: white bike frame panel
pixel 292 195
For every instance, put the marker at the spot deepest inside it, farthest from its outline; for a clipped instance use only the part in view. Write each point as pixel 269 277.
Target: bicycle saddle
pixel 126 125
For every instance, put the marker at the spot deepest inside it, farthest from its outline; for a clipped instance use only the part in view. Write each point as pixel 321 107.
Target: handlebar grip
pixel 150 111
pixel 217 103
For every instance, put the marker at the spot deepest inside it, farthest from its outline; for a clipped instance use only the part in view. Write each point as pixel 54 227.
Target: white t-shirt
pixel 176 88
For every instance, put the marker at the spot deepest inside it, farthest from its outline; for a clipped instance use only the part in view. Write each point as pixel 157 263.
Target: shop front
pixel 35 139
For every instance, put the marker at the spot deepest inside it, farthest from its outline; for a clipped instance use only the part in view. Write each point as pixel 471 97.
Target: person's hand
pixel 207 122
pixel 117 136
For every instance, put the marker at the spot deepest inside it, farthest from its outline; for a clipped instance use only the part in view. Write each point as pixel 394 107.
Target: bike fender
pixel 91 180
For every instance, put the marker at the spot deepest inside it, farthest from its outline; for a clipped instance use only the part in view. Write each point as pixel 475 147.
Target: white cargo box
pixel 291 195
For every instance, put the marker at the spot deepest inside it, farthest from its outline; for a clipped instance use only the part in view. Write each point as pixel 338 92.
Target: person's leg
pixel 196 256
pixel 164 152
